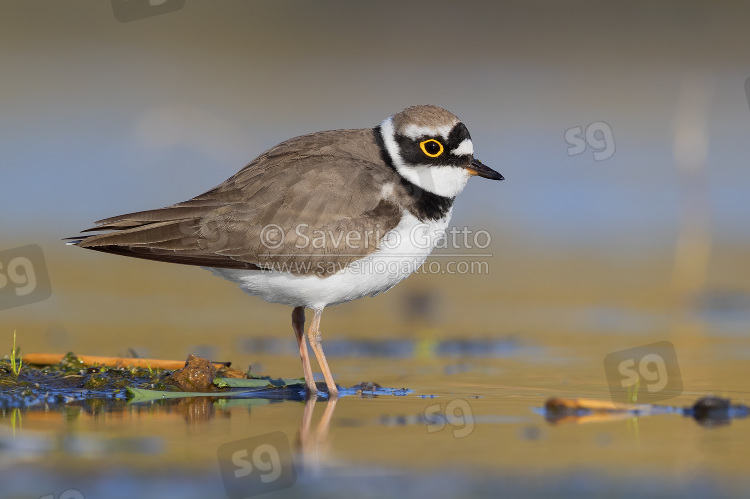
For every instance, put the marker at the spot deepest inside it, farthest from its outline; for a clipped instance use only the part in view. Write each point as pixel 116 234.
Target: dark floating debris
pixel 366 388
pixel 716 411
pixel 707 411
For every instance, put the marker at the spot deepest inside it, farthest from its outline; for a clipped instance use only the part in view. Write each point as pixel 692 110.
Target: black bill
pixel 478 168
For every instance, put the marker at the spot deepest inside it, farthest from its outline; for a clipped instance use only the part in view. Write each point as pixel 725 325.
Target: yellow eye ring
pixel 428 147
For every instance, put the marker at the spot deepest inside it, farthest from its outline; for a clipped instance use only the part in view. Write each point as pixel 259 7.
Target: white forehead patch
pixel 415 131
pixel 465 148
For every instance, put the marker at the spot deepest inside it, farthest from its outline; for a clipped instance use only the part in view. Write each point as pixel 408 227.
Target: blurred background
pixel 621 131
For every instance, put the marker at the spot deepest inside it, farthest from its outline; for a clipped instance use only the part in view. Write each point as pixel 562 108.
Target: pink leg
pixel 298 323
pixel 314 337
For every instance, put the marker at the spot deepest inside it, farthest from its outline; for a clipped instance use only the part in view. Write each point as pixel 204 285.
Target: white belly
pixel 402 252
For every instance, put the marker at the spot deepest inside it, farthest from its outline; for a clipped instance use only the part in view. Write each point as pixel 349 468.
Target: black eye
pixel 431 147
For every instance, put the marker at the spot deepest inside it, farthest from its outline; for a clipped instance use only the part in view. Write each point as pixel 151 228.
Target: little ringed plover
pixel 317 220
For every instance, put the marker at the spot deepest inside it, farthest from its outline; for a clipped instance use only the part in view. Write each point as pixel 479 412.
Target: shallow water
pixel 472 425
pixel 479 356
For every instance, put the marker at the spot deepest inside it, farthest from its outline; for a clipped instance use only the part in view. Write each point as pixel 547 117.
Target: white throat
pixel 447 181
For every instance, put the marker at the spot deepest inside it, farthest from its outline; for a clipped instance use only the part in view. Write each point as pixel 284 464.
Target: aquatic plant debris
pixel 136 395
pixel 45 359
pixel 197 376
pixel 71 378
pixel 707 411
pixel 257 382
pixel 15 366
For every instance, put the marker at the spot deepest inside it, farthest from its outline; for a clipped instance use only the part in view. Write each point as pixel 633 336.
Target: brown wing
pixel 308 206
